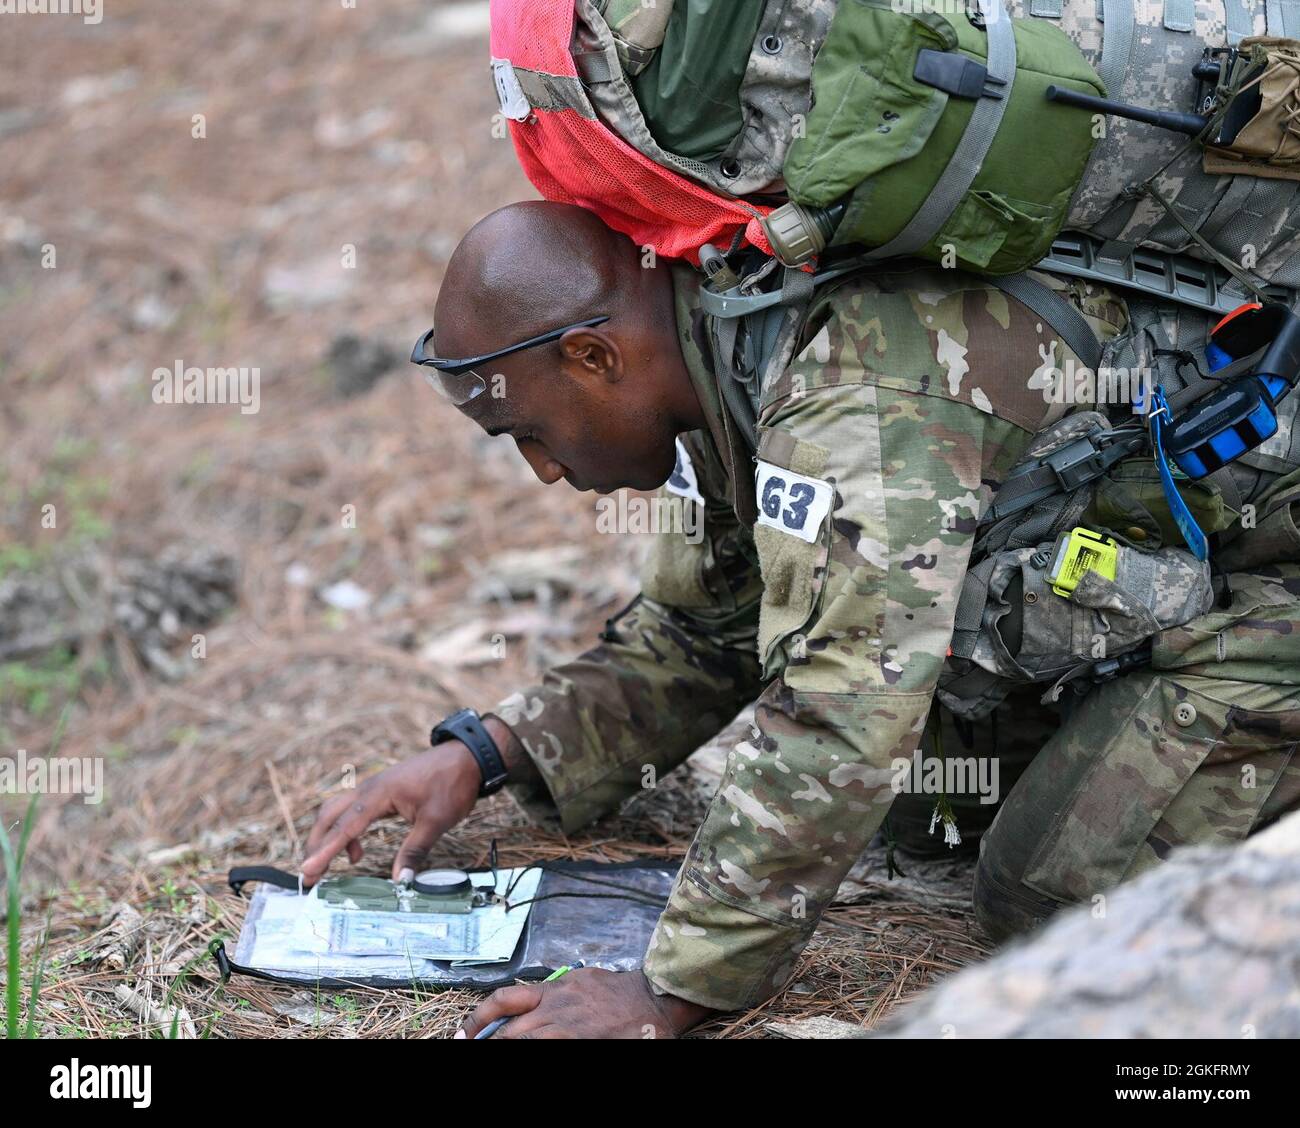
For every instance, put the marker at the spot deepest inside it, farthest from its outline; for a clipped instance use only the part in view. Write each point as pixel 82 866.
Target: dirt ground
pixel 239 611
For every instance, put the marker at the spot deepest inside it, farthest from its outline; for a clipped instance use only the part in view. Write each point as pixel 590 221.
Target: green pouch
pixel 884 138
pixel 1130 502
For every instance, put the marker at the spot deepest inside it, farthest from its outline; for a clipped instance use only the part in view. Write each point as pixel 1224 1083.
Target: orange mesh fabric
pixel 573 160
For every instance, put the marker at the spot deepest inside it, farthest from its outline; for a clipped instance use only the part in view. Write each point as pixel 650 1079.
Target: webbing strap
pixel 1283 17
pixel 594 66
pixel 1116 45
pixel 553 93
pixel 967 159
pixel 1021 491
pixel 1057 313
pixel 1239 17
pixel 1180 15
pixel 1045 9
pixel 971 601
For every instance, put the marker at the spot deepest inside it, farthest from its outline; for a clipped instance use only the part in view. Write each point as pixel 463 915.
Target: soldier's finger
pixel 527 1026
pixel 504 1002
pixel 351 824
pixel 417 844
pixel 325 818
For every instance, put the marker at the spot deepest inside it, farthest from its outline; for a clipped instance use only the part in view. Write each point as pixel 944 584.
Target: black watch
pixel 466 727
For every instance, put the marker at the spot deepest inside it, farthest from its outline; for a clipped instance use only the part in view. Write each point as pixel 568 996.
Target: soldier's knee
pixel 1004 906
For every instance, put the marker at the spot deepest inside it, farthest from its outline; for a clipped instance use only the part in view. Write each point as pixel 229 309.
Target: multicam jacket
pixel 824 587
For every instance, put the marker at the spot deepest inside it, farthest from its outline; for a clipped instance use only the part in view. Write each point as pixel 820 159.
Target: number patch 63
pixel 791 503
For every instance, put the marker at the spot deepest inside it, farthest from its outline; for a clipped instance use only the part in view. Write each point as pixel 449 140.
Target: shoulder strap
pixel 1055 311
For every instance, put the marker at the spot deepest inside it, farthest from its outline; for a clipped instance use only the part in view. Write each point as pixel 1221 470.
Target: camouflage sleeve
pixel 855 625
pixel 668 674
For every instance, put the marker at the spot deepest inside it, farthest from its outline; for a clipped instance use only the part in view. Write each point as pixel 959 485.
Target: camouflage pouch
pixel 1129 502
pixel 1032 634
pixel 1258 95
pixel 1275 537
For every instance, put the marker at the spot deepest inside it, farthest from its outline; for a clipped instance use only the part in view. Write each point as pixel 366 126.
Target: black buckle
pixel 1077 463
pixel 955 74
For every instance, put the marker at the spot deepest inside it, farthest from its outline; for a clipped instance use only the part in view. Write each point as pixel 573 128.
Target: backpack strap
pixel 1283 18
pixel 1239 19
pixel 1068 323
pixel 1116 44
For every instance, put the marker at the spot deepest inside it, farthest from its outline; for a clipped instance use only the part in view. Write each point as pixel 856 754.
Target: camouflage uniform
pixel 911 395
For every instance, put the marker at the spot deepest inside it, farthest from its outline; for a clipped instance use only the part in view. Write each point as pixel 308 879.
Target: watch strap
pixel 466 726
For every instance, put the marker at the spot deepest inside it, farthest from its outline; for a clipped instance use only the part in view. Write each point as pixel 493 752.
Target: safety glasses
pixel 460 380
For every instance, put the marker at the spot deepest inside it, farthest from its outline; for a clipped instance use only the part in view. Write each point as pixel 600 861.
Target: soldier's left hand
pixel 586 1003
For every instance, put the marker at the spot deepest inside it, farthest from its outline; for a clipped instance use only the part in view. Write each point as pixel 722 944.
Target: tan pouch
pixel 1268 144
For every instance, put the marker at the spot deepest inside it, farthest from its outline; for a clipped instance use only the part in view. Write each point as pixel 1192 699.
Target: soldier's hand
pixel 586 1003
pixel 432 791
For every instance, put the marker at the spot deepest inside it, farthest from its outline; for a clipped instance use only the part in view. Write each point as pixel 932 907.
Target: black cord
pixel 630 892
pixel 1186 356
pixel 646 900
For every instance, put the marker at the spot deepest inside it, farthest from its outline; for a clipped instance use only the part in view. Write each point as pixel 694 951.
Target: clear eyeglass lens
pixel 458 389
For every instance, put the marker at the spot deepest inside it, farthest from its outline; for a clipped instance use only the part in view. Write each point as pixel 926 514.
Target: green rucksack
pixel 887 125
pixel 949 114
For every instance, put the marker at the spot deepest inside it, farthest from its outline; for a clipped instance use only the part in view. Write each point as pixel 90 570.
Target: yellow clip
pixel 1082 551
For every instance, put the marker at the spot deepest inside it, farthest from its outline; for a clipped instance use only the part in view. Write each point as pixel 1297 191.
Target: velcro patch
pixel 514 102
pixel 792 503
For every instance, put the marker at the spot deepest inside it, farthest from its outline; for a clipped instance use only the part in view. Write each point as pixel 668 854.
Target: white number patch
pixel 791 503
pixel 683 481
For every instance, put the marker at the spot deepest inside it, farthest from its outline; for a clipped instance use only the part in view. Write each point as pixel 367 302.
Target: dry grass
pixel 326 127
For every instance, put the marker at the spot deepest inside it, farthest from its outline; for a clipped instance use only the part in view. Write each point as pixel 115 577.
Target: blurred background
pixel 239 613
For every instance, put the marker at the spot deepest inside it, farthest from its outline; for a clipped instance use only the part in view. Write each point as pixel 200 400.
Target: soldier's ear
pixel 590 353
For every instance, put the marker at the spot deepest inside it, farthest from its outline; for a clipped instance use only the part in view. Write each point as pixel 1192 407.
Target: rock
pixel 346 596
pixel 816 1027
pixel 357 365
pixel 170 855
pixel 539 573
pixel 152 313
pixel 17 120
pixel 97 87
pixel 336 131
pixel 307 285
pixel 156 602
pixel 1204 946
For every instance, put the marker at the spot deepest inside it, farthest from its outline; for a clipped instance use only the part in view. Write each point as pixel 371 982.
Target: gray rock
pixel 1205 946
pixel 358 364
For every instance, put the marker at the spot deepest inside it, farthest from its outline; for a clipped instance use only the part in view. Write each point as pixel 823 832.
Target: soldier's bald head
pixel 600 406
pixel 529 268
